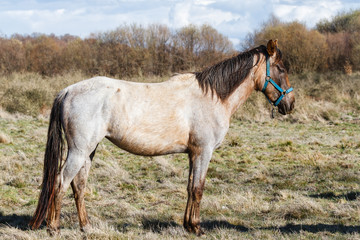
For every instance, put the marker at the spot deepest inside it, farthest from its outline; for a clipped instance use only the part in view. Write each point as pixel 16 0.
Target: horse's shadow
pixel 333 228
pixel 21 222
pixel 14 220
pixel 215 224
pixel 351 196
pixel 159 226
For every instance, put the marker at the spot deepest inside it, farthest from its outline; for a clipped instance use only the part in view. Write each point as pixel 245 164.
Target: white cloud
pixel 310 12
pixel 180 13
pixel 198 12
pixel 204 2
pixel 60 11
pixel 233 18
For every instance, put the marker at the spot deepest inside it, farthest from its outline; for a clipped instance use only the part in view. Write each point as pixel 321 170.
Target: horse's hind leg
pixel 74 162
pixel 78 186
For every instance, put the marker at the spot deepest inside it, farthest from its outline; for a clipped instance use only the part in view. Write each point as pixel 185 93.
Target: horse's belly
pixel 151 145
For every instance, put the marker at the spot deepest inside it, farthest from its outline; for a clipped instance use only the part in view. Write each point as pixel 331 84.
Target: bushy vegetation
pixel 303 49
pixel 332 46
pixel 343 38
pixel 343 22
pixel 31 93
pixel 129 50
pixel 134 50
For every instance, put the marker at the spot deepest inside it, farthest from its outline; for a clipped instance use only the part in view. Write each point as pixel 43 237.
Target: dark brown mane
pixel 224 77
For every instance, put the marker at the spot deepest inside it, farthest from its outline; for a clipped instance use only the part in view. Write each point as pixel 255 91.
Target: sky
pixel 233 18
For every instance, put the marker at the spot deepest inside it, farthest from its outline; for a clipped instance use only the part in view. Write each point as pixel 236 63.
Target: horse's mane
pixel 224 77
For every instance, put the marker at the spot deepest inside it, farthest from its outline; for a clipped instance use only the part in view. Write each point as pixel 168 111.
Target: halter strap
pixel 267 65
pixel 269 80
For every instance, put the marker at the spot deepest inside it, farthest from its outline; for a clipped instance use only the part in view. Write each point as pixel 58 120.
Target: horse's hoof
pixel 194 229
pixel 86 228
pixel 187 227
pixel 199 232
pixel 53 231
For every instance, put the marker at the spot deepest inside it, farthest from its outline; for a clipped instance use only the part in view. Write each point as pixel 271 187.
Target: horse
pixel 189 113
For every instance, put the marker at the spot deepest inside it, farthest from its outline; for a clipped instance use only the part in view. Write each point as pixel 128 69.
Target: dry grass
pixel 287 181
pixel 294 177
pixel 33 94
pixel 30 93
pixel 321 97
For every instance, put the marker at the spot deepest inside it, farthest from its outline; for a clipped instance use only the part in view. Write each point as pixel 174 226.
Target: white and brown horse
pixel 190 113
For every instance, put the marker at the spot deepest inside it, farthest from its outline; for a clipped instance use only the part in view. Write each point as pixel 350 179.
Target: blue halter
pixel 268 79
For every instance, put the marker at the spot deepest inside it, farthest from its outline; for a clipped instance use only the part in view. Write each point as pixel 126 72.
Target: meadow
pixel 292 177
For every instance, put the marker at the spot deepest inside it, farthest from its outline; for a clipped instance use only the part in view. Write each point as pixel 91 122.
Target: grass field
pixel 271 180
pixel 294 177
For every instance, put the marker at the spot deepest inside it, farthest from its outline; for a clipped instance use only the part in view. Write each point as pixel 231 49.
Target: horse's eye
pixel 282 70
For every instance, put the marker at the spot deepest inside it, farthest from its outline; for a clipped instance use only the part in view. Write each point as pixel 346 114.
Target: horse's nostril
pixel 292 105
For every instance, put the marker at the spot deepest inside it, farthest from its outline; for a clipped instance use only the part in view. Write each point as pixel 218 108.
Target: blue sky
pixel 233 18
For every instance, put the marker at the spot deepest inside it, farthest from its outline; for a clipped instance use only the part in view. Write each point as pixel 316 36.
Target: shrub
pixel 129 50
pixel 303 49
pixel 343 37
pixel 343 22
pixel 29 102
pixel 12 56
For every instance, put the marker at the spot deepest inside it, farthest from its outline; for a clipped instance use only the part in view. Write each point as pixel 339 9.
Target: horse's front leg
pixel 199 162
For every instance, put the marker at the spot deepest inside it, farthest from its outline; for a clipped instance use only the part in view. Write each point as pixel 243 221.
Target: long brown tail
pixel 52 163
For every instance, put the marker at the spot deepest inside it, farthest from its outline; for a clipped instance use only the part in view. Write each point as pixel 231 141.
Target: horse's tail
pixel 52 163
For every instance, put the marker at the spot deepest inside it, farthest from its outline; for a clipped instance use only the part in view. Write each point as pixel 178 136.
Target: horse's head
pixel 276 85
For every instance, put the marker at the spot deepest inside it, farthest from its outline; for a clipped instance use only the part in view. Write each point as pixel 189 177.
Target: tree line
pixel 134 50
pixel 126 51
pixel 333 45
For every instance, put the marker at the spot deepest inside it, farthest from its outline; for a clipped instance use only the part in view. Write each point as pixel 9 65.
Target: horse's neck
pixel 242 93
pixel 251 83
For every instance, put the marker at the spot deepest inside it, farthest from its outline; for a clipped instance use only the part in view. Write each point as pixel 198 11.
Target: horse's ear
pixel 271 47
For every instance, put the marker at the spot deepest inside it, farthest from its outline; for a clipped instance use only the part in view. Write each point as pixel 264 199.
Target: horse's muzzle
pixel 286 107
